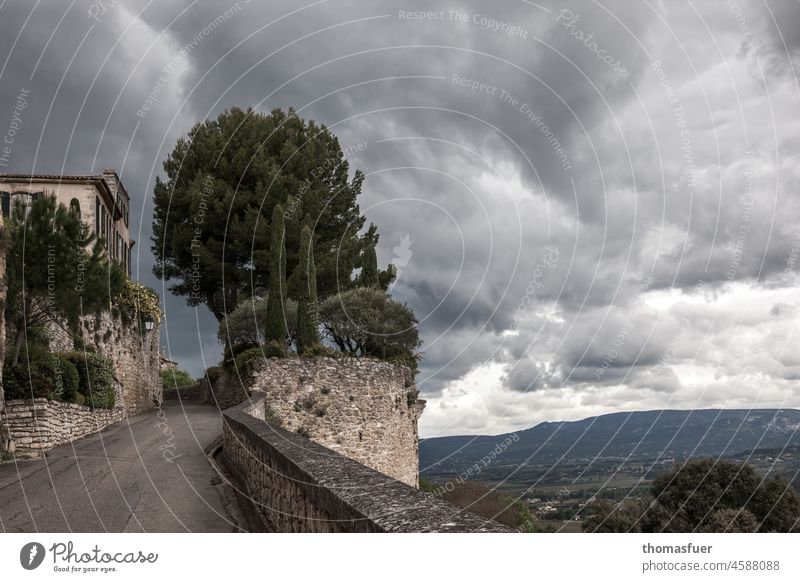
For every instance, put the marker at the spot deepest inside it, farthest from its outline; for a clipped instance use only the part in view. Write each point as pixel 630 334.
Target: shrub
pixel 247 323
pixel 232 351
pixel 68 382
pixel 33 376
pixel 246 361
pixel 95 378
pixel 275 349
pixel 20 383
pixel 135 298
pixel 367 322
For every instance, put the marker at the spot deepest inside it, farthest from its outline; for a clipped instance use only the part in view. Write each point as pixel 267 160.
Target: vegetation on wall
pixel 135 298
pixel 367 322
pixel 246 324
pixel 77 377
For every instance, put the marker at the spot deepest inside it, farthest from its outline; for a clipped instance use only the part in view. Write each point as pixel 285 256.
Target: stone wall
pixel 363 408
pixel 136 356
pixel 301 486
pixel 40 424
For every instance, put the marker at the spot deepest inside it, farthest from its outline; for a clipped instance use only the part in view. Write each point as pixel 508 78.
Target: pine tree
pixel 47 245
pixel 275 328
pixel 307 309
pixel 369 269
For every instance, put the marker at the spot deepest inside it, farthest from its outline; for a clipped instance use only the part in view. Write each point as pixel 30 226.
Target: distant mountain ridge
pixel 636 435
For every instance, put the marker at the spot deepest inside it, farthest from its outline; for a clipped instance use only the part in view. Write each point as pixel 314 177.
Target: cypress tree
pixel 275 328
pixel 307 308
pixel 369 268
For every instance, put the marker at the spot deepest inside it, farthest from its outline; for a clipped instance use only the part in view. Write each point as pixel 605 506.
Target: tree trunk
pixel 18 341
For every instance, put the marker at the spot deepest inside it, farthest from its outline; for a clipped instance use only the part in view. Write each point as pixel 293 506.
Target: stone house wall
pixel 301 486
pixel 363 408
pixel 40 424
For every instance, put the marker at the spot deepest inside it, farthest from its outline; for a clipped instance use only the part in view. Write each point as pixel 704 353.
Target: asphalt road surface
pixel 149 473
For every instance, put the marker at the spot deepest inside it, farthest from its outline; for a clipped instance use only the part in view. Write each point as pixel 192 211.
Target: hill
pixel 632 436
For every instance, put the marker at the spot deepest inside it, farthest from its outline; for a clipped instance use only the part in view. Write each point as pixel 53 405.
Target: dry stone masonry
pixel 134 352
pixel 301 486
pixel 362 408
pixel 35 426
pixel 40 424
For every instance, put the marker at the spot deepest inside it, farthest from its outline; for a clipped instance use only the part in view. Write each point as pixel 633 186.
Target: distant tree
pixel 276 328
pixel 210 236
pixel 246 324
pixel 51 277
pixel 367 322
pixel 176 378
pixel 732 521
pixel 604 516
pixel 307 307
pixel 689 498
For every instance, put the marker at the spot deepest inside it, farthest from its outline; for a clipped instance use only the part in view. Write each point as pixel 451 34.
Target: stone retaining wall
pixel 135 354
pixel 301 486
pixel 40 424
pixel 363 408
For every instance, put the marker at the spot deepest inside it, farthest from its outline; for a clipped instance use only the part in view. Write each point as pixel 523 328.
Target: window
pixel 25 199
pixel 5 200
pixel 97 216
pixel 75 208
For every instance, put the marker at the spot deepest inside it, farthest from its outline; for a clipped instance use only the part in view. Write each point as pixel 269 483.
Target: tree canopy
pixel 211 235
pixel 704 495
pixel 52 277
pixel 367 322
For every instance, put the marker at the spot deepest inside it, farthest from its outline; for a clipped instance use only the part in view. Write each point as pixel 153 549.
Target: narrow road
pixel 149 473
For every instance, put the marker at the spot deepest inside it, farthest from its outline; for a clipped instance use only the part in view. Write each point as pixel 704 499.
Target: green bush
pixel 172 379
pixel 232 351
pixel 33 376
pixel 68 380
pixel 95 378
pixel 246 360
pixel 275 349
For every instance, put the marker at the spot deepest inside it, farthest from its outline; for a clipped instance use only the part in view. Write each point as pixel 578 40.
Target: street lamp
pixel 148 323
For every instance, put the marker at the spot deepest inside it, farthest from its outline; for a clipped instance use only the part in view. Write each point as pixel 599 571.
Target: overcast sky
pixel 593 207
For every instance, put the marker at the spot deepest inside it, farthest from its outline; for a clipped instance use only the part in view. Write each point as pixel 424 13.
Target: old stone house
pixel 101 201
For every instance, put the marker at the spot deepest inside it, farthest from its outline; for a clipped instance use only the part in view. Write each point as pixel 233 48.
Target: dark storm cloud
pixel 491 135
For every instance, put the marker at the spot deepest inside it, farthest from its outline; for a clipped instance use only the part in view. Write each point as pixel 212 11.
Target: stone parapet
pixel 301 486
